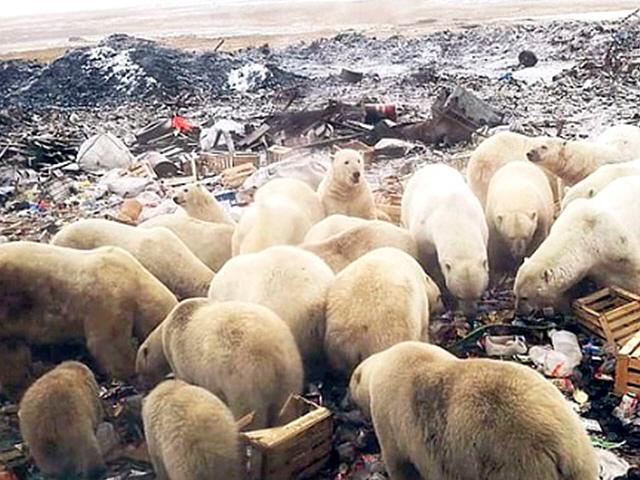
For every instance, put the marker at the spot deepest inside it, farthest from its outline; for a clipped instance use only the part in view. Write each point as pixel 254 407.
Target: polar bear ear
pixel 448 266
pixel 533 215
pixel 591 193
pixel 499 219
pixel 145 351
pixel 547 275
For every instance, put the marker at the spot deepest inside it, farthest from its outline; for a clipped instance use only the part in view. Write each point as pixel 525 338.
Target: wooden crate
pixel 298 449
pixel 613 314
pixel 628 367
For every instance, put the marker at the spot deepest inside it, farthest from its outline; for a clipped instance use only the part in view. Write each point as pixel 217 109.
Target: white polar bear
pixel 603 176
pixel 379 300
pixel 340 250
pixel 598 238
pixel 438 417
pixel 210 242
pixel 344 190
pixel 159 250
pixel 495 152
pixel 573 160
pixel 449 226
pixel 330 226
pixel 288 280
pixel 283 212
pixel 519 213
pixel 196 201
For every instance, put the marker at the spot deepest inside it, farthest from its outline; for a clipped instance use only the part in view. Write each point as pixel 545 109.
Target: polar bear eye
pixel 347 162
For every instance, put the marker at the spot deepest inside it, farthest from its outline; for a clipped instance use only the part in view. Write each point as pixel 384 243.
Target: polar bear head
pixel 517 230
pixel 547 151
pixel 151 363
pixel 466 278
pixel 347 167
pixel 433 295
pixel 359 385
pixel 192 194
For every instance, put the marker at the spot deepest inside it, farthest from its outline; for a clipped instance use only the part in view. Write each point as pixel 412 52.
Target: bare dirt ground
pixel 277 23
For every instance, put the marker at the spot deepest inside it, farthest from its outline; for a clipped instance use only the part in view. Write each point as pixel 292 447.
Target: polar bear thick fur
pixel 242 352
pixel 210 242
pixel 344 189
pixel 438 417
pixel 379 300
pixel 603 176
pixel 297 192
pixel 340 250
pixel 495 152
pixel 330 226
pixel 195 201
pixel 288 280
pixel 58 416
pixel 574 160
pixel 597 238
pixel 283 211
pixel 519 212
pixel 450 229
pixel 190 434
pixel 104 297
pixel 158 249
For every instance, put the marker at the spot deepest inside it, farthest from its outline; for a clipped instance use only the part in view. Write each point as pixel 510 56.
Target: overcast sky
pixel 12 8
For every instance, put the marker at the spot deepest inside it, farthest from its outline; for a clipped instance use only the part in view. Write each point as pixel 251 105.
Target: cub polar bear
pixel 382 298
pixel 344 190
pixel 58 417
pixel 195 201
pixel 283 212
pixel 157 249
pixel 449 226
pixel 603 176
pixel 573 160
pixel 330 226
pixel 242 352
pixel 190 433
pixel 288 280
pixel 598 238
pixel 438 417
pixel 495 152
pixel 519 213
pixel 210 242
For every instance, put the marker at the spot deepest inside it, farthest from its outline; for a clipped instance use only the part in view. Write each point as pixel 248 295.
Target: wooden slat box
pixel 628 367
pixel 613 314
pixel 298 449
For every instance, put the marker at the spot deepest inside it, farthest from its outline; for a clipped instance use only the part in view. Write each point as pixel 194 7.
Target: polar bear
pixel 157 249
pixel 283 211
pixel 496 151
pixel 379 300
pixel 439 417
pixel 450 229
pixel 596 181
pixel 242 352
pixel 330 226
pixel 210 242
pixel 190 433
pixel 195 201
pixel 288 280
pixel 573 160
pixel 104 297
pixel 295 191
pixel 519 213
pixel 58 417
pixel 269 223
pixel 340 250
pixel 597 238
pixel 344 189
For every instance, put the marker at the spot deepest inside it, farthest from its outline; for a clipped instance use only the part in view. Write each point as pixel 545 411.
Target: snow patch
pixel 248 77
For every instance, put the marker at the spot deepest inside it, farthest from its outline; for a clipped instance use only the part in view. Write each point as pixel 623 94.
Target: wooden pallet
pixel 613 314
pixel 628 367
pixel 298 449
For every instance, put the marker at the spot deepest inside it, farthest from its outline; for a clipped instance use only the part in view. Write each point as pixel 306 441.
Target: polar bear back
pixel 624 138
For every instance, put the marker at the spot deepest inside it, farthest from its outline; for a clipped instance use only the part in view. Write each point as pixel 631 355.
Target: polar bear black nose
pixel 356 175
